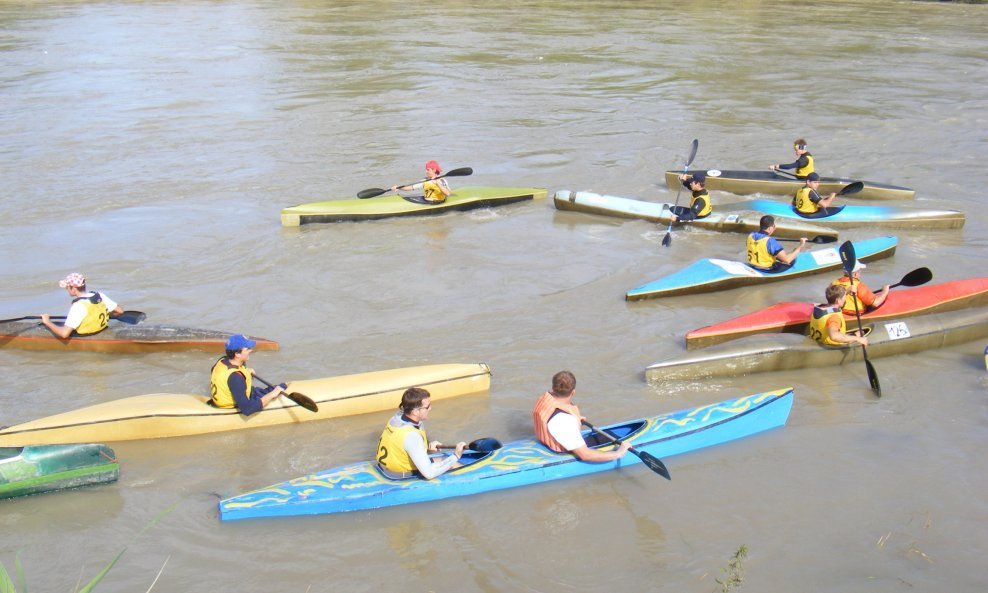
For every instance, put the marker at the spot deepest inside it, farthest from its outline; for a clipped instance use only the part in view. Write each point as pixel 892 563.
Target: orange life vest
pixel 545 407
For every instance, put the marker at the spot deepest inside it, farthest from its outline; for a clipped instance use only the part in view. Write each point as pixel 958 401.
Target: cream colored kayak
pixel 160 415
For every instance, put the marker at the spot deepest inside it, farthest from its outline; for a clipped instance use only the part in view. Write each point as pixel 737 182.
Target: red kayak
pixel 795 317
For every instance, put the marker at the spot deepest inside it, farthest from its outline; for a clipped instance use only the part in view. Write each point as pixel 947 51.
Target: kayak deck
pixel 161 415
pixel 35 470
pixel 849 215
pixel 362 486
pixel 389 206
pixel 768 182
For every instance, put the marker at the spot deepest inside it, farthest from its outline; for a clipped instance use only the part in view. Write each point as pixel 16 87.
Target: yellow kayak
pixel 159 415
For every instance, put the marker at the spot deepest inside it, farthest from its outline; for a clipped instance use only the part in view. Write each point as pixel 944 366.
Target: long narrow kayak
pixel 756 354
pixel 710 275
pixel 768 182
pixel 362 486
pixel 735 221
pixel 161 415
pixel 120 337
pixel 794 317
pixel 847 216
pixel 33 470
pixel 461 198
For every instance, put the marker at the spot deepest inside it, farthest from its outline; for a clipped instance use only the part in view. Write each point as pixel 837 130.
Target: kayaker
pixel 434 190
pixel 827 321
pixel 403 450
pixel 90 311
pixel 231 382
pixel 859 291
pixel 765 253
pixel 808 201
pixel 700 205
pixel 802 166
pixel 558 421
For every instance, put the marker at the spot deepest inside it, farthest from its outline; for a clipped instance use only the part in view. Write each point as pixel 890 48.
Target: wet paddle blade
pixel 461 172
pixel 851 188
pixel 654 463
pixel 485 445
pixel 303 400
pixel 667 239
pixel 873 378
pixel 917 277
pixel 372 193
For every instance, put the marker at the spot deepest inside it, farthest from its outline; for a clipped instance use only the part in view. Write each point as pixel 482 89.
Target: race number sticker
pixel 735 268
pixel 826 256
pixel 897 330
pixel 731 218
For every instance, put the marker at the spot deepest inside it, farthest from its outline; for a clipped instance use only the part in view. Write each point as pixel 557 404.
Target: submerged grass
pixel 734 570
pixel 7 584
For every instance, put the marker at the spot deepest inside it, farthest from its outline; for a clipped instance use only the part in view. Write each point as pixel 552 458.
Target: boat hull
pixel 736 221
pixel 120 337
pixel 848 216
pixel 710 275
pixel 767 182
pixel 360 486
pixel 757 354
pixel 793 317
pixel 161 415
pixel 389 206
pixel 34 470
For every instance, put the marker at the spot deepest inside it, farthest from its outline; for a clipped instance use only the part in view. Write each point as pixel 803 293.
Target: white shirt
pixel 77 312
pixel 565 428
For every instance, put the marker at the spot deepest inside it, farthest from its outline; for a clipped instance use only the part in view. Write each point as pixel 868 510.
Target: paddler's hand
pixel 434 446
pixel 863 341
pixel 623 447
pixel 45 318
pixel 773 167
pixel 459 449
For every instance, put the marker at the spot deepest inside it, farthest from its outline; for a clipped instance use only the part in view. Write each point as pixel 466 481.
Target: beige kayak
pixel 161 415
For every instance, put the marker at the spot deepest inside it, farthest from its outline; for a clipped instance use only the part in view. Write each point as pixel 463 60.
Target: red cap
pixel 434 166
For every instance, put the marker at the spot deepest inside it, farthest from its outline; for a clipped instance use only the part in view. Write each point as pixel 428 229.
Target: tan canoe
pixel 160 415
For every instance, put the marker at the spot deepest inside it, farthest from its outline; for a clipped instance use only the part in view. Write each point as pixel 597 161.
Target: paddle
pixel 482 445
pixel 851 188
pixel 848 258
pixel 784 173
pixel 917 277
pixel 299 398
pixel 376 191
pixel 819 239
pixel 652 462
pixel 131 317
pixel 667 240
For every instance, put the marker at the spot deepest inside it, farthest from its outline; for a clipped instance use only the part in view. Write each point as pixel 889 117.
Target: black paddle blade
pixel 303 400
pixel 131 317
pixel 372 193
pixel 847 256
pixel 873 378
pixel 917 277
pixel 667 239
pixel 461 172
pixel 822 239
pixel 695 145
pixel 654 463
pixel 485 445
pixel 851 188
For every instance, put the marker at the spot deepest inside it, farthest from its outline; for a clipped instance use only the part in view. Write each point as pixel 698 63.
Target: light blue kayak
pixel 844 216
pixel 710 275
pixel 361 486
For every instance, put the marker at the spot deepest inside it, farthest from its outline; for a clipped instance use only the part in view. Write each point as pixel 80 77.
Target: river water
pixel 151 146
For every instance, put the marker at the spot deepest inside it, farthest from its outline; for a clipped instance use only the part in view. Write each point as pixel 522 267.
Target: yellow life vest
pixel 850 299
pixel 818 324
pixel 219 386
pixel 97 317
pixel 391 454
pixel 804 204
pixel 758 255
pixel 806 169
pixel 433 192
pixel 704 198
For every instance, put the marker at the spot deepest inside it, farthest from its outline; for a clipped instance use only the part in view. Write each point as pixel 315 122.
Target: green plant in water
pixel 7 584
pixel 734 570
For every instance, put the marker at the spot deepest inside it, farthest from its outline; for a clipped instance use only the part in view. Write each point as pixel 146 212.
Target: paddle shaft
pixel 131 317
pixel 651 461
pixel 667 240
pixel 376 191
pixel 482 445
pixel 819 239
pixel 848 258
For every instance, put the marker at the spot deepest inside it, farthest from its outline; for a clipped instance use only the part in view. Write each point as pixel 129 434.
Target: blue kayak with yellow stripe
pixel 844 216
pixel 710 275
pixel 362 486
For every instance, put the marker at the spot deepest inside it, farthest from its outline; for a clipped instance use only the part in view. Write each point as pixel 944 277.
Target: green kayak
pixel 46 468
pixel 389 206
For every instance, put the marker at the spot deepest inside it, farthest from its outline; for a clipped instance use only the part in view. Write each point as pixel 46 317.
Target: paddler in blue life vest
pixel 802 166
pixel 231 382
pixel 765 253
pixel 403 450
pixel 558 422
pixel 808 201
pixel 90 311
pixel 827 324
pixel 434 190
pixel 700 205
